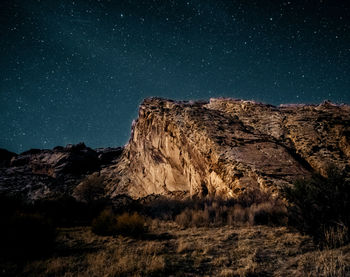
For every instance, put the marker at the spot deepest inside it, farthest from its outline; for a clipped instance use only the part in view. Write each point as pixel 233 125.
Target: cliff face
pixel 225 146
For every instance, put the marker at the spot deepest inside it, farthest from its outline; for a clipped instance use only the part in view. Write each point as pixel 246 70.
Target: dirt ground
pixel 168 250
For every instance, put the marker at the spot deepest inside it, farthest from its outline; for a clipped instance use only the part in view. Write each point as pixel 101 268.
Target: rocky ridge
pixel 224 146
pixel 37 174
pixel 178 149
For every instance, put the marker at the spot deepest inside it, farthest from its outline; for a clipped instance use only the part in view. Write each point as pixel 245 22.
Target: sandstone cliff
pixel 225 146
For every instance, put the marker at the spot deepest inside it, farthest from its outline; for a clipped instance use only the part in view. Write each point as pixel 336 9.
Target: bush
pixel 237 215
pixel 90 189
pixel 25 235
pixel 320 204
pixel 201 218
pixel 184 219
pixel 130 224
pixel 194 217
pixel 126 224
pixel 217 212
pixel 267 213
pixel 104 224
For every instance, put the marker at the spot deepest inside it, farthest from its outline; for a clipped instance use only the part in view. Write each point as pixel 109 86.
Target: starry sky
pixel 73 71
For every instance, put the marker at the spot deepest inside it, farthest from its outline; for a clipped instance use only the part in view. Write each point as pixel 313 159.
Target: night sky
pixel 74 71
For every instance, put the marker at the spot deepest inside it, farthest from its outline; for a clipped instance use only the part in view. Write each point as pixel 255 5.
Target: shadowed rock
pixel 5 157
pixel 43 173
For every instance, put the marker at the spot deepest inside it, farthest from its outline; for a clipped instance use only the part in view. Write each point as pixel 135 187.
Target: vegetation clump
pixel 252 207
pixel 90 189
pixel 320 207
pixel 104 223
pixel 107 223
pixel 131 224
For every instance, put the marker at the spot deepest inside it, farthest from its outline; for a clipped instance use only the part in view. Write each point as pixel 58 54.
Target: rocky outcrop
pixel 44 173
pixel 225 146
pixel 319 134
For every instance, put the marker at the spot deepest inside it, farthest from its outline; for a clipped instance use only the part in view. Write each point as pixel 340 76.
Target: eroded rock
pixel 36 173
pixel 224 146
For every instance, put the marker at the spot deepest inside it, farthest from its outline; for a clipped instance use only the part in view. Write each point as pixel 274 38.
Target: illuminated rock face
pixel 224 146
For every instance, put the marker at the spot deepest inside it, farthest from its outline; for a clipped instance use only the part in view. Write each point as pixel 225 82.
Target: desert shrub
pixel 26 235
pixel 107 223
pixel 184 218
pixel 267 210
pixel 195 217
pixel 130 224
pixel 200 218
pixel 268 213
pixel 319 204
pixel 237 215
pixel 90 189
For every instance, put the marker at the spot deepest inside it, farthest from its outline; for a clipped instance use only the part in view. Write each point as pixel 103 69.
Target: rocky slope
pixel 36 174
pixel 225 146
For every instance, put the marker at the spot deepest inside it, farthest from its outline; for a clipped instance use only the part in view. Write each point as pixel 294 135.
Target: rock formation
pixel 179 149
pixel 36 174
pixel 225 146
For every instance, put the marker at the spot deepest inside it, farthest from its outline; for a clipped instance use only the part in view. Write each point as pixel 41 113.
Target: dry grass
pixel 184 246
pixel 326 263
pixel 330 263
pixel 266 210
pixel 90 255
pixel 171 250
pixel 335 236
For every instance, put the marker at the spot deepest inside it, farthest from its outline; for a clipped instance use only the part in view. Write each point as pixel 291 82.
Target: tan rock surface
pixel 224 146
